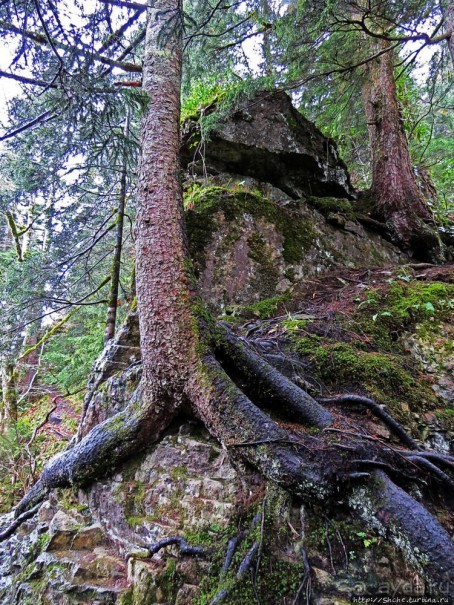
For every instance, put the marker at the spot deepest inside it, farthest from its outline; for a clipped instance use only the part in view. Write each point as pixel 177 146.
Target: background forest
pixel 374 76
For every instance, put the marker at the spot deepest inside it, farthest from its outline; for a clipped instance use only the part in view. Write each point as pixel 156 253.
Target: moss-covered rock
pixel 248 243
pixel 328 205
pixel 390 379
pixel 269 139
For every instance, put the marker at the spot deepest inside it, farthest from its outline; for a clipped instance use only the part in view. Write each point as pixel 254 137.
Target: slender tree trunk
pixel 116 265
pixel 15 235
pixel 395 192
pixel 8 412
pixel 266 15
pixel 449 26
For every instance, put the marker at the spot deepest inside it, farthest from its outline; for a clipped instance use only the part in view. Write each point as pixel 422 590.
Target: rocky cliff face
pixel 269 204
pixel 257 231
pixel 250 241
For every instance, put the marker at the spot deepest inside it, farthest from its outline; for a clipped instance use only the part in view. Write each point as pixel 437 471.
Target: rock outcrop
pixel 250 241
pixel 269 204
pixel 90 547
pixel 268 139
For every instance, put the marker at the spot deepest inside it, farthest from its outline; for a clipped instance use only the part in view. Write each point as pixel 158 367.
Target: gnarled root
pixel 18 521
pixel 379 412
pixel 270 383
pixel 107 445
pixel 185 549
pixel 393 512
pixel 305 465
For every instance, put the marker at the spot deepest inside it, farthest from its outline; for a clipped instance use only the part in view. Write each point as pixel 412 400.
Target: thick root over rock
pixel 306 465
pixel 426 545
pixel 108 444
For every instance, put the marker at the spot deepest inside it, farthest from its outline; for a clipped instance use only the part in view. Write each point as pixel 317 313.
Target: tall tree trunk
pixel 448 14
pixel 396 195
pixel 165 297
pixel 116 265
pixel 266 16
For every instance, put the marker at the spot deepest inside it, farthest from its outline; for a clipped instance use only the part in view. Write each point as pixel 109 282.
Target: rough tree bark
pixel 182 352
pixel 395 193
pixel 448 14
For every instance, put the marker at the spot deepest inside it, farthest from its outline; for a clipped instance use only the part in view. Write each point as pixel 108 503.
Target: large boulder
pixel 268 139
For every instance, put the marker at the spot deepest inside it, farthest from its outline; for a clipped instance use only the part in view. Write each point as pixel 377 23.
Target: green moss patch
pixel 326 205
pixel 404 303
pixel 389 379
pixel 385 314
pixel 263 309
pixel 204 203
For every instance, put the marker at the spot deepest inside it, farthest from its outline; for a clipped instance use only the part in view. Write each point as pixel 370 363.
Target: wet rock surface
pixel 185 482
pixel 251 241
pixel 63 561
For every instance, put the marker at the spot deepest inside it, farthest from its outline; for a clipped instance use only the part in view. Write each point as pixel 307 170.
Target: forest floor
pixel 386 333
pixel 63 419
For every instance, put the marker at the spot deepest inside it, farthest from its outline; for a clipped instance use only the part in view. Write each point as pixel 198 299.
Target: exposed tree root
pixel 393 512
pixel 270 383
pixel 306 583
pixel 378 411
pixel 185 549
pixel 229 414
pixel 107 445
pixel 443 459
pixel 9 531
pixel 244 567
pixel 219 597
pixel 305 465
pixel 433 470
pixel 232 546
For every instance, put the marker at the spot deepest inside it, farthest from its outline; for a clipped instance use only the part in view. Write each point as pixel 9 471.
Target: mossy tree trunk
pixel 396 195
pixel 8 411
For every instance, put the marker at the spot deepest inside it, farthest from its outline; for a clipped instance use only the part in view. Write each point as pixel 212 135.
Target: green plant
pixel 367 539
pixel 202 94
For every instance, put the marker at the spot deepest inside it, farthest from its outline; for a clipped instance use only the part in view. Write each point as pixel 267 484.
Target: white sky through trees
pixel 71 16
